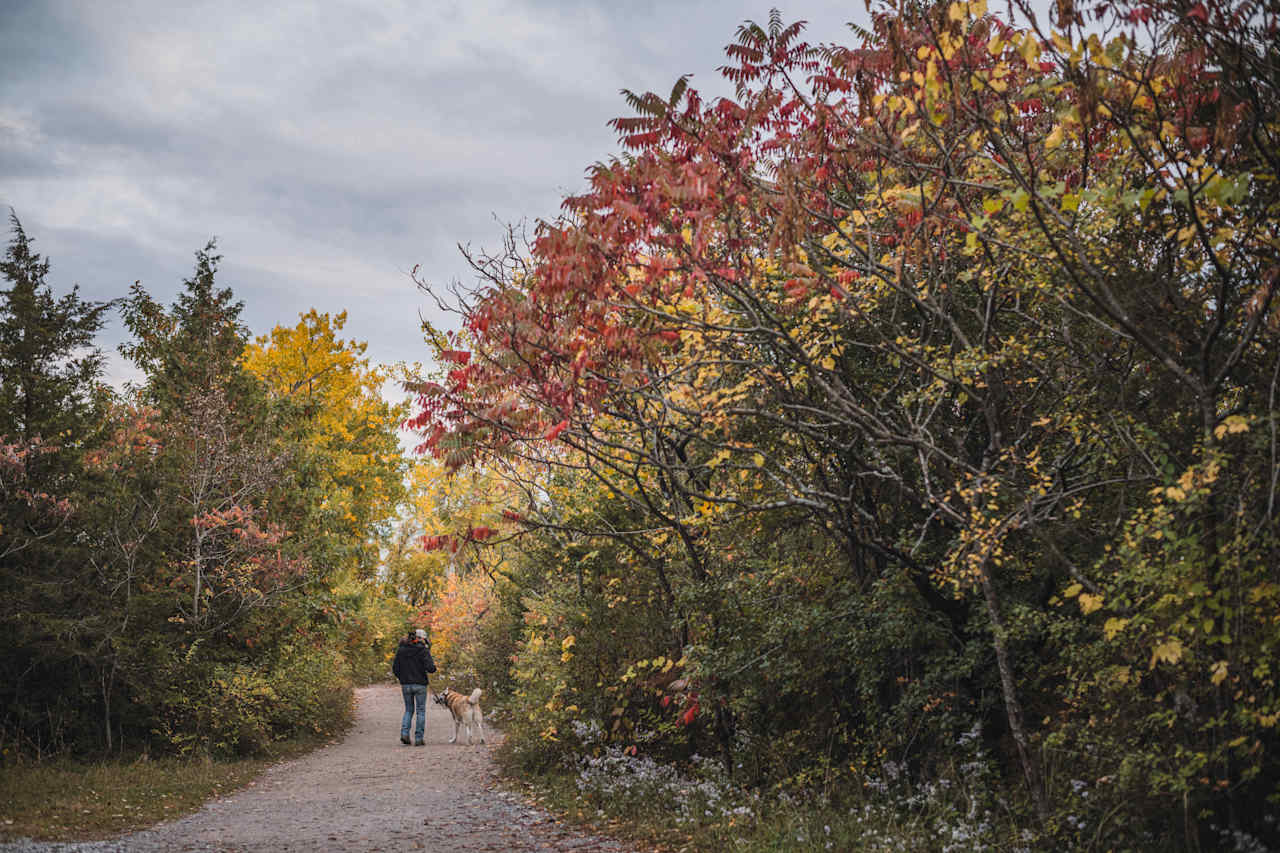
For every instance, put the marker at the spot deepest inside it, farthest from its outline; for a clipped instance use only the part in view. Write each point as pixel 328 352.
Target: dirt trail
pixel 369 792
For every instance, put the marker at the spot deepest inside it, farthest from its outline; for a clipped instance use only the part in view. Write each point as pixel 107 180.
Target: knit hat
pixel 422 635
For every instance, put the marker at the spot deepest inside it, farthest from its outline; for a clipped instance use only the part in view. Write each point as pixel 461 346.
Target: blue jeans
pixel 415 695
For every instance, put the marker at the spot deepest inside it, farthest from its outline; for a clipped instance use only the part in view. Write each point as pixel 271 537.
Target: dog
pixel 465 710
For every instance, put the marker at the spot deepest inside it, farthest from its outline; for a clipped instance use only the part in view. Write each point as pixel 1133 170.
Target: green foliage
pixel 51 406
pixel 367 625
pixel 49 366
pixel 241 708
pixel 589 651
pixel 193 575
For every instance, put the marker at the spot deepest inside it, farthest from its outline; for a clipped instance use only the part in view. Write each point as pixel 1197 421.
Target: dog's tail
pixel 474 698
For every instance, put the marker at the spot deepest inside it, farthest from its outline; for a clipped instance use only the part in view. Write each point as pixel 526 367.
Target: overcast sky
pixel 328 146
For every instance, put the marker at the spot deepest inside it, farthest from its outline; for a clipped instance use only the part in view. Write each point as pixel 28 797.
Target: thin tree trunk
pixel 1013 708
pixel 195 603
pixel 107 684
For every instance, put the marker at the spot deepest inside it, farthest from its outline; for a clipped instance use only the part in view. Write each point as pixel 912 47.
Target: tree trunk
pixel 199 558
pixel 107 684
pixel 1008 689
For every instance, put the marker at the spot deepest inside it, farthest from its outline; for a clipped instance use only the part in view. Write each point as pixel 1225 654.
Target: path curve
pixel 367 792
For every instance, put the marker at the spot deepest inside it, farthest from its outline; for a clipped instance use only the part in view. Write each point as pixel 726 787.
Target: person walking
pixel 411 665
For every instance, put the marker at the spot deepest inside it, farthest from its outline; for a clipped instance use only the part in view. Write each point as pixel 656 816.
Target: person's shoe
pixel 419 743
pixel 404 739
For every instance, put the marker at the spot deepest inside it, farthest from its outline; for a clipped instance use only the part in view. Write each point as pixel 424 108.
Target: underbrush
pixel 688 809
pixel 244 709
pixel 693 806
pixel 65 800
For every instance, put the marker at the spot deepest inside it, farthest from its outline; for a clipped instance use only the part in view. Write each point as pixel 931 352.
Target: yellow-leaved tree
pixel 345 429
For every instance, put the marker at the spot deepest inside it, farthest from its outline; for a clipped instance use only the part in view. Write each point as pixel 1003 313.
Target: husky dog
pixel 465 710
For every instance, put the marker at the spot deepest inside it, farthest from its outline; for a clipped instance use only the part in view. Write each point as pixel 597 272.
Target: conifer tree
pixel 221 446
pixel 49 367
pixel 51 402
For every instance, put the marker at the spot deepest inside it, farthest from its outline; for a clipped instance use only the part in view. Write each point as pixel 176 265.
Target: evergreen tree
pixel 49 367
pixel 51 404
pixel 195 347
pixel 219 436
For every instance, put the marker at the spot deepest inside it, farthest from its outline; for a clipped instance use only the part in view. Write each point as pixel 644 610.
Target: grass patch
pixel 63 800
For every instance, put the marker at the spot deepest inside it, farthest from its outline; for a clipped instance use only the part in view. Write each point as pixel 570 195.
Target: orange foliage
pixel 455 618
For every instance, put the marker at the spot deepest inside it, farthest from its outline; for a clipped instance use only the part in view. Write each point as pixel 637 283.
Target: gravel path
pixel 365 793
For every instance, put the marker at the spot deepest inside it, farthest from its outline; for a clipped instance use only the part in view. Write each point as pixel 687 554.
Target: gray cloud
pixel 329 147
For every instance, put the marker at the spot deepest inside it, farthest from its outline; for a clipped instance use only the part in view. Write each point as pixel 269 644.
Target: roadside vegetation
pixel 886 455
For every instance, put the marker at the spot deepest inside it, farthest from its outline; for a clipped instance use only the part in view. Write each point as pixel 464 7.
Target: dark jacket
pixel 412 663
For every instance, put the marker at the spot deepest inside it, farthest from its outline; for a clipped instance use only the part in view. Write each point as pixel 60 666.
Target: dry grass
pixel 68 801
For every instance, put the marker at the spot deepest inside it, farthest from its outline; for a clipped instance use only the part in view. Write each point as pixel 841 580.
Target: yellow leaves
pixel 1114 626
pixel 1030 48
pixel 1197 477
pixel 1096 51
pixel 1231 426
pixel 565 648
pixel 1219 672
pixel 1089 603
pixel 1054 139
pixel 1263 592
pixel 346 416
pixel 1170 651
pixel 961 12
